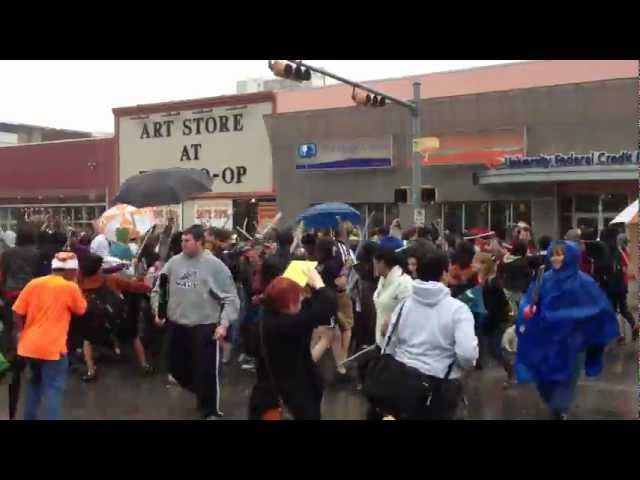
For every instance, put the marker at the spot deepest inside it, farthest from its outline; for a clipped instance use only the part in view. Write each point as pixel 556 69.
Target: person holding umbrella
pixel 42 314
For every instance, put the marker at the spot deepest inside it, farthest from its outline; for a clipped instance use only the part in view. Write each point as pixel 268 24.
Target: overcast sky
pixel 79 95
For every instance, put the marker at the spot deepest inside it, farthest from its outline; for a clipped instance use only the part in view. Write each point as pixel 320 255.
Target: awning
pixel 551 175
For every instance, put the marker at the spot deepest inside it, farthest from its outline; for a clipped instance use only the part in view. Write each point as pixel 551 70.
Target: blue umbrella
pixel 325 215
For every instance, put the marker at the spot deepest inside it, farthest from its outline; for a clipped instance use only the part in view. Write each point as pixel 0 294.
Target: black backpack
pixel 105 312
pixel 615 275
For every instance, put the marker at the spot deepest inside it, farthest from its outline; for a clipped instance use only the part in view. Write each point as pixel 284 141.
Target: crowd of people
pixel 429 305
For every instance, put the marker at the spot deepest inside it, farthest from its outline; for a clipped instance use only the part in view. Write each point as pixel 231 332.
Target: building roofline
pixel 440 72
pixel 426 99
pixel 27 125
pixel 67 140
pixel 222 100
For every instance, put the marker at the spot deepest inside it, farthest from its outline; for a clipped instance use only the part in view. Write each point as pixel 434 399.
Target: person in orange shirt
pixel 42 314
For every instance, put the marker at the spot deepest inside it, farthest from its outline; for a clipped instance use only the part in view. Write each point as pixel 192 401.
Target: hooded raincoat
pixel 573 318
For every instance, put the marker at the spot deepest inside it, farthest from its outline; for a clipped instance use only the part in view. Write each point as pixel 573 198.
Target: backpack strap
pixel 395 326
pixel 449 370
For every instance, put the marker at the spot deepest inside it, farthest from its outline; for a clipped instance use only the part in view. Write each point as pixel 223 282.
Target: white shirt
pixel 392 290
pixel 100 246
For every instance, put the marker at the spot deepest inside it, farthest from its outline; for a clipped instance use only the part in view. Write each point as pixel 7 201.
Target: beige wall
pixel 222 153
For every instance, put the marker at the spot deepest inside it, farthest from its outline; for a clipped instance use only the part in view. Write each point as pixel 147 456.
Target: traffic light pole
pixel 360 86
pixel 416 190
pixel 414 109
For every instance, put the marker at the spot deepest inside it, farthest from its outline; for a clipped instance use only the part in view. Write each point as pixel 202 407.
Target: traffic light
pixel 401 195
pixel 290 71
pixel 428 195
pixel 360 97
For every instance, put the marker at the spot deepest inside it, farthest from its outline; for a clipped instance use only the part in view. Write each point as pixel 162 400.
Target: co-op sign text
pixel 625 157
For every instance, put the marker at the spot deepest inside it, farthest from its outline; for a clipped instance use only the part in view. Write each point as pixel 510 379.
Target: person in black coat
pixel 286 373
pixel 515 270
pixel 498 314
pixel 363 291
pixel 612 280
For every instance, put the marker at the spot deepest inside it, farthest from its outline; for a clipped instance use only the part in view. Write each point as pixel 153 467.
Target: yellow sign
pixel 426 144
pixel 297 271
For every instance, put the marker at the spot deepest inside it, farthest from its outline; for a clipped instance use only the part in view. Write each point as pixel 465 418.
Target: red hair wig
pixel 281 294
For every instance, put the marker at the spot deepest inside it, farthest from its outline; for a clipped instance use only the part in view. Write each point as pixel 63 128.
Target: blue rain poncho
pixel 573 316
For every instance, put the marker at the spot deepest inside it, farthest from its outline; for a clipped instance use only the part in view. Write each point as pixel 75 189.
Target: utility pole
pixel 416 190
pixel 300 71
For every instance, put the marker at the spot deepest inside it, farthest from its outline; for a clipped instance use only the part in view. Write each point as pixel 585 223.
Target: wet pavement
pixel 121 393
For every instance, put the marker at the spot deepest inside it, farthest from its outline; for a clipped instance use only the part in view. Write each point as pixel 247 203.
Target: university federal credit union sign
pixel 603 159
pixel 230 143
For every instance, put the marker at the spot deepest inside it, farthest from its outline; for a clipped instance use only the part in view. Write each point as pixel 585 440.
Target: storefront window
pixel 452 217
pixel 614 202
pixel 566 205
pixel 8 218
pixel 522 212
pixel 588 226
pixel 245 215
pixel 587 203
pixel 378 219
pixel 476 215
pixel 392 212
pixel 500 212
pixel 566 223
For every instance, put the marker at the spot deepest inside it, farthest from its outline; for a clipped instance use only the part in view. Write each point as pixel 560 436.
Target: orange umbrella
pixel 125 216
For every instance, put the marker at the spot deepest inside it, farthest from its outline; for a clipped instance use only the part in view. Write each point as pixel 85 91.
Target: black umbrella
pixel 168 186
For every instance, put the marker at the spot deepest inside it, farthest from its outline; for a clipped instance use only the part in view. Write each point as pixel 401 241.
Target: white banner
pixel 214 213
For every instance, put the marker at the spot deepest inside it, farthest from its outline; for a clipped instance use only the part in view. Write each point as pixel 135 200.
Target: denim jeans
pixel 560 396
pixel 46 385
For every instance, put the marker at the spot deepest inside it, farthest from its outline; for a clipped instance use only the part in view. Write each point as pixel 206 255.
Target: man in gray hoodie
pixel 435 335
pixel 203 302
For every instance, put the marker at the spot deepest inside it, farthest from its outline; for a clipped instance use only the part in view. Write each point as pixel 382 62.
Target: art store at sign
pixel 225 136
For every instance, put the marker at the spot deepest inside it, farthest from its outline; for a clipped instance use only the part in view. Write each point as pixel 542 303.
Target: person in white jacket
pixel 393 287
pixel 435 334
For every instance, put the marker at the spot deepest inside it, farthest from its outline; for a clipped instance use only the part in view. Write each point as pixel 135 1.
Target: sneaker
pixel 148 370
pixel 560 416
pixel 213 416
pixel 621 340
pixel 508 384
pixel 226 357
pixel 250 365
pixel 171 380
pixel 90 377
pixel 242 357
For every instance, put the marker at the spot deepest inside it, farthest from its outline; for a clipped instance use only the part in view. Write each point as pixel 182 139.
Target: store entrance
pixel 590 212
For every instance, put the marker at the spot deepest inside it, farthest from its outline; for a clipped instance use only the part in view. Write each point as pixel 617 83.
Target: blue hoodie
pixel 574 315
